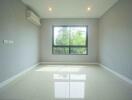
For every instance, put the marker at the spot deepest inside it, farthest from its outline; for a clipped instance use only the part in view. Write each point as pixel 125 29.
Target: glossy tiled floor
pixel 67 82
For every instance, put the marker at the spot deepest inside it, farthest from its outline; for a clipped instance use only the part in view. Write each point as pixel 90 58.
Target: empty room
pixel 65 50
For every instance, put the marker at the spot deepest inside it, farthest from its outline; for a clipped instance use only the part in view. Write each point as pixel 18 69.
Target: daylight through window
pixel 70 40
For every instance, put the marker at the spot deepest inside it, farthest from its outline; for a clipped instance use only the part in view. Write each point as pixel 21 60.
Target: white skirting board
pixel 117 74
pixel 4 83
pixel 68 63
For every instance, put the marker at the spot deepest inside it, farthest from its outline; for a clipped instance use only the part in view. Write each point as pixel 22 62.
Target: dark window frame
pixel 70 46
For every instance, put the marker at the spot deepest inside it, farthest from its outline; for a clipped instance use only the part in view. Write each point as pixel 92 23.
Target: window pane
pixel 78 50
pixel 61 50
pixel 61 35
pixel 78 36
pixel 70 40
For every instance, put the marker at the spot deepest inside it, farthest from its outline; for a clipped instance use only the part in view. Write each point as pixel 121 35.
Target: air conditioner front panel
pixel 33 18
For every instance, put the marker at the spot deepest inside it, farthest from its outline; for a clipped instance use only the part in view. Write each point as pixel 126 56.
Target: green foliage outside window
pixel 70 40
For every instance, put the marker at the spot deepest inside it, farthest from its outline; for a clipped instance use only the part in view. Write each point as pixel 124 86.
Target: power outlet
pixel 5 41
pixel 8 42
pixel 11 42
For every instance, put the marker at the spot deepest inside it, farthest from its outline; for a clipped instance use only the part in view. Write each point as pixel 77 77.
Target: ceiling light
pixel 50 9
pixel 88 8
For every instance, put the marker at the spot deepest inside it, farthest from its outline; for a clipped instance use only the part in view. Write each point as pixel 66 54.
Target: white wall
pixel 16 57
pixel 46 41
pixel 116 38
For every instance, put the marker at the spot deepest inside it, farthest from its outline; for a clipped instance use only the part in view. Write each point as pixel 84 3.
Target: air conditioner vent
pixel 32 17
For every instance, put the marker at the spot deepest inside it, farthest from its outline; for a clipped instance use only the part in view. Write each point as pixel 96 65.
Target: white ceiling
pixel 70 8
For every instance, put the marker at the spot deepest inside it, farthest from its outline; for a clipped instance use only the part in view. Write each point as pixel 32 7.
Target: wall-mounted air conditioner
pixel 32 17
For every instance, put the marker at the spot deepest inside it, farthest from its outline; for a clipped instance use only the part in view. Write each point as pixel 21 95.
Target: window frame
pixel 70 46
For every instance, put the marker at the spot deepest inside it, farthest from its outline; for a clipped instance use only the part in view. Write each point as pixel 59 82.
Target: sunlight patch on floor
pixel 60 68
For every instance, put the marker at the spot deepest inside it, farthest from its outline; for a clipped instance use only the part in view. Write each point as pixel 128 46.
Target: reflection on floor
pixel 65 85
pixel 67 82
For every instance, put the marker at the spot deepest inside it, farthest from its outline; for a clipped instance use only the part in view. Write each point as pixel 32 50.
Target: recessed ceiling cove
pixel 70 8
